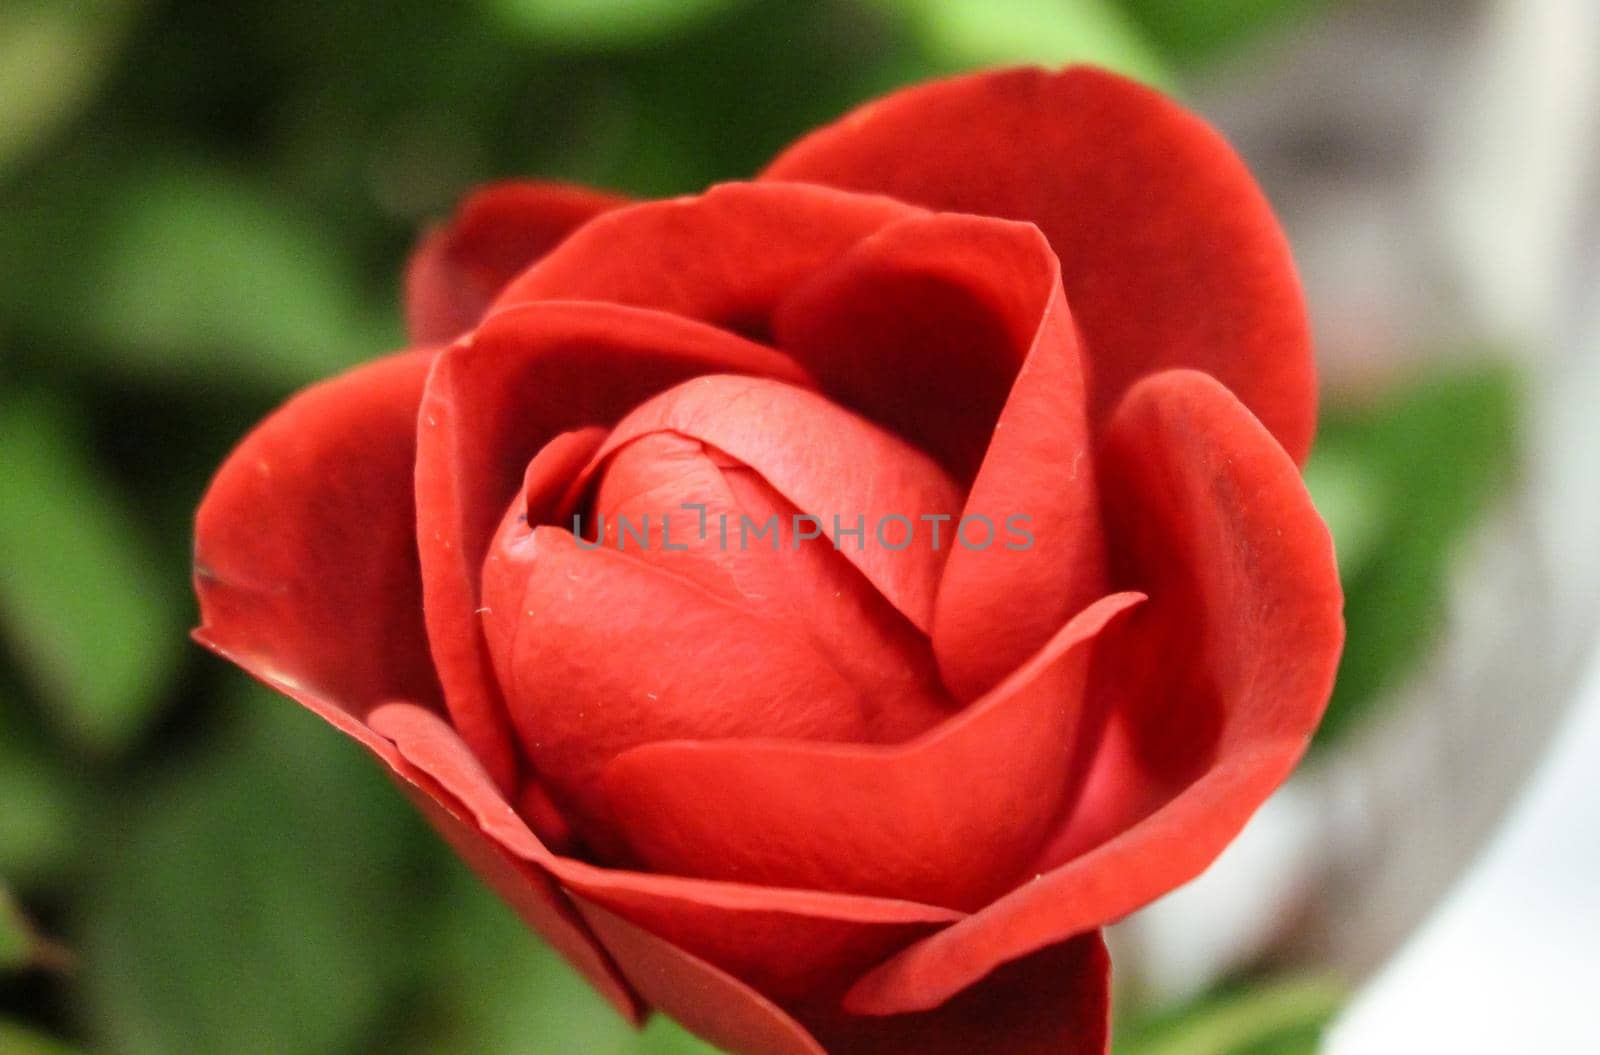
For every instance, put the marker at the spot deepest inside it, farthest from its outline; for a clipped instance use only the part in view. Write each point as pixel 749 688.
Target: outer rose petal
pixel 953 330
pixel 725 257
pixel 708 1002
pixel 951 818
pixel 785 941
pixel 306 569
pixel 1054 1002
pixel 1170 254
pixel 459 267
pixel 1224 538
pixel 305 544
pixel 492 403
pixel 1245 617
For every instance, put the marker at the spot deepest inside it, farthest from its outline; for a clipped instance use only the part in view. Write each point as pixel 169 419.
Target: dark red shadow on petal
pixel 1245 614
pixel 1055 1002
pixel 923 327
pixel 725 257
pixel 459 266
pixel 1170 254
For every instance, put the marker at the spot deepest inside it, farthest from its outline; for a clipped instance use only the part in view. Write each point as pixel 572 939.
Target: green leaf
pixel 494 988
pixel 1282 1016
pixel 1425 463
pixel 259 898
pixel 602 23
pixel 39 824
pixel 665 1037
pixel 180 271
pixel 16 1039
pixel 53 56
pixel 1345 490
pixel 201 272
pixel 1196 30
pixel 16 937
pixel 961 34
pixel 82 602
pixel 21 946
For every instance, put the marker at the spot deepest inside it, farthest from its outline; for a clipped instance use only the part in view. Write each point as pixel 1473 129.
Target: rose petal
pixel 305 544
pixel 458 267
pixel 549 474
pixel 1170 254
pixel 555 467
pixel 492 403
pixel 953 329
pixel 1222 534
pixel 725 257
pixel 1054 1002
pixel 951 818
pixel 827 462
pixel 1220 679
pixel 708 1002
pixel 785 939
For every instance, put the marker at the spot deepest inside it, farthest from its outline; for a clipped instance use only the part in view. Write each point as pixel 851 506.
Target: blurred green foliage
pixel 601 24
pixel 204 206
pixel 345 924
pixel 1192 31
pixel 16 938
pixel 87 613
pixel 41 801
pixel 283 837
pixel 16 1039
pixel 52 58
pixel 1402 482
pixel 1252 1016
pixel 959 34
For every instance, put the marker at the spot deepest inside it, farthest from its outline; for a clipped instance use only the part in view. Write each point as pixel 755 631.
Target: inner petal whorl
pixel 694 600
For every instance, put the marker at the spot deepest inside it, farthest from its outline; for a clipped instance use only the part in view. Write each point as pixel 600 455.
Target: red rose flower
pixel 850 786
